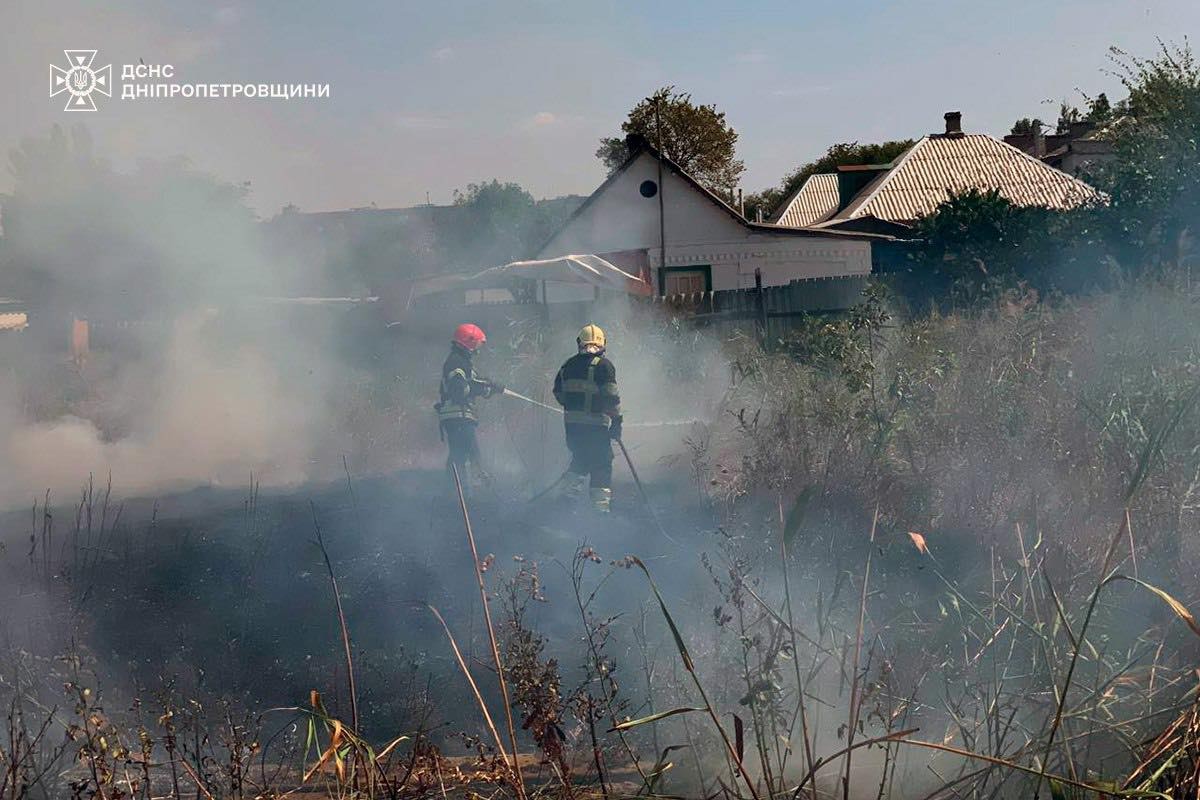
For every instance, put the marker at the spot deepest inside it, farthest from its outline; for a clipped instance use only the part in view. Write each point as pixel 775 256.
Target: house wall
pixel 620 218
pixel 782 259
pixel 699 233
pixel 1079 163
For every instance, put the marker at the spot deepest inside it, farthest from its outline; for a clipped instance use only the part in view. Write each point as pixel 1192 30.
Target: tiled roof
pixel 940 165
pixel 813 202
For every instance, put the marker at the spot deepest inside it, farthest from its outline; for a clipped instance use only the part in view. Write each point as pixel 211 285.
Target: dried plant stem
pixel 787 595
pixel 337 598
pixel 854 694
pixel 487 717
pixel 821 762
pixel 1041 773
pixel 689 665
pixel 200 787
pixel 487 616
pixel 604 679
pixel 1078 645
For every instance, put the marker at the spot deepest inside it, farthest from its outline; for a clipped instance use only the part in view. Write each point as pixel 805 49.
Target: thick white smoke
pixel 214 417
pixel 193 377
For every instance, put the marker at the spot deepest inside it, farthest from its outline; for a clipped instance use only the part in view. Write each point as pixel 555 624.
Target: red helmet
pixel 471 337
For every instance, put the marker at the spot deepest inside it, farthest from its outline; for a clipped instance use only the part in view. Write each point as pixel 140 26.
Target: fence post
pixel 761 303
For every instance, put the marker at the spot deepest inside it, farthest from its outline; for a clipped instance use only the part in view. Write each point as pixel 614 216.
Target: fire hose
pixel 628 461
pixel 557 410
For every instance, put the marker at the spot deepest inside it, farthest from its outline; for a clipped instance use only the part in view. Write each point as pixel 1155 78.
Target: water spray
pixel 537 403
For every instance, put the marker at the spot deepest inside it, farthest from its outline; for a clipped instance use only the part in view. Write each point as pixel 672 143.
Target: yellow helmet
pixel 591 335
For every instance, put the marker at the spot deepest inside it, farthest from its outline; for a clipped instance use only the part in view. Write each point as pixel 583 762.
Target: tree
pixel 978 243
pixel 1028 127
pixel 1068 115
pixel 1100 111
pixel 501 222
pixel 696 137
pixel 498 216
pixel 1154 180
pixel 839 155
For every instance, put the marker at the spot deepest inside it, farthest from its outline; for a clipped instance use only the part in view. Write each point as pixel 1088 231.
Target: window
pixel 687 281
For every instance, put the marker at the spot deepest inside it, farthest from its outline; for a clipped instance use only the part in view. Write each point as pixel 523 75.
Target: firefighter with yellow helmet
pixel 586 388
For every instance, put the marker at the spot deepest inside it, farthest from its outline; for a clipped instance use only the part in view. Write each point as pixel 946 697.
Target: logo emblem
pixel 79 80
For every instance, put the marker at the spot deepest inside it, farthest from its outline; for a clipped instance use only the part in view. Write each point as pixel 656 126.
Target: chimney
pixel 953 123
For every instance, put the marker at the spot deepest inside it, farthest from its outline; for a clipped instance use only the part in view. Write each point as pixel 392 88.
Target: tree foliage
pixel 839 155
pixel 502 223
pixel 1099 112
pixel 1154 180
pixel 1068 115
pixel 696 137
pixel 977 244
pixel 1027 126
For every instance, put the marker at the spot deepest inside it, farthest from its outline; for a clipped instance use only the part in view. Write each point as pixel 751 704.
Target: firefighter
pixel 586 388
pixel 460 387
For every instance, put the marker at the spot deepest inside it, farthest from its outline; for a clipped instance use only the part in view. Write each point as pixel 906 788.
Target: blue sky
pixel 429 96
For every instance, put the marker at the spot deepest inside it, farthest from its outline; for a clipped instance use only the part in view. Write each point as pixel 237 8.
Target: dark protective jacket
pixel 460 387
pixel 586 388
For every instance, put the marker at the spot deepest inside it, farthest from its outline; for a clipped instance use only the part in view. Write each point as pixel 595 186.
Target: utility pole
pixel 761 301
pixel 662 222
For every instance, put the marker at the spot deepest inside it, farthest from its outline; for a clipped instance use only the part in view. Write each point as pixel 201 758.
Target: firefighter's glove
pixel 614 430
pixel 495 388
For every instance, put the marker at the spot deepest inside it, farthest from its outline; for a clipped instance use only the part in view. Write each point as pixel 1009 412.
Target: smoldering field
pixel 888 534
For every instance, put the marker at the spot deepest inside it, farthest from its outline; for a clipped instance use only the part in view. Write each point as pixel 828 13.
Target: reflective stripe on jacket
pixel 586 388
pixel 459 387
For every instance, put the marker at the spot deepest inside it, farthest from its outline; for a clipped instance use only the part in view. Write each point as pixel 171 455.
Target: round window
pixel 648 188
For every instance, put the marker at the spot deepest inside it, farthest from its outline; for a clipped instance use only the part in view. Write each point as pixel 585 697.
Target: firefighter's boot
pixel 601 500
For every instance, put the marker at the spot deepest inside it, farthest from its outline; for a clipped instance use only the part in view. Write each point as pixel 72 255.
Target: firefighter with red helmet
pixel 460 388
pixel 586 388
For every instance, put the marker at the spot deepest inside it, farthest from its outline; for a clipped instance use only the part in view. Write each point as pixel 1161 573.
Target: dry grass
pixel 973 637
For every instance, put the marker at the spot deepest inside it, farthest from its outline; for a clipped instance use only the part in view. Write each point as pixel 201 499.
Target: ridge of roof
pixel 640 146
pixel 990 155
pixel 871 189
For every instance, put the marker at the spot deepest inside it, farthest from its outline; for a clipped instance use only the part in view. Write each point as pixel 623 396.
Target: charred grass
pixel 945 557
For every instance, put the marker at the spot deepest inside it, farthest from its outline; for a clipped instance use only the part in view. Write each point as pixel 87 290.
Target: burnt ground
pixel 225 595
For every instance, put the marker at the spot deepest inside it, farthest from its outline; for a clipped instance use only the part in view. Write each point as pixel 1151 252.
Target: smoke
pixel 201 382
pixel 209 422
pixel 194 377
pixel 191 377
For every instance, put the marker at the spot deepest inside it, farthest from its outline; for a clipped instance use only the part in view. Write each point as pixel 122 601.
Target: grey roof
pixel 940 165
pixel 815 201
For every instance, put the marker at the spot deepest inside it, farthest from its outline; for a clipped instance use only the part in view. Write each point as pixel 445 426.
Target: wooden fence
pixel 769 310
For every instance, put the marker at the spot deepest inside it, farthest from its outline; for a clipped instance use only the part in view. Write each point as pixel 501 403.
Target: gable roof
pixel 638 146
pixel 815 201
pixel 939 165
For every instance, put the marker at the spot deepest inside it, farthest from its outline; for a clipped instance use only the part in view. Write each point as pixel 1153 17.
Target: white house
pixel 688 240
